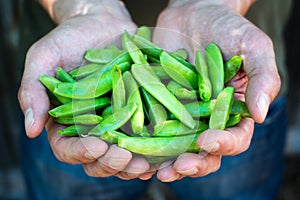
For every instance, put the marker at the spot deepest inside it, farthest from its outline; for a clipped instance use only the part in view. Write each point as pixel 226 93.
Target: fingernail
pixel 263 105
pixel 117 163
pixel 28 120
pixel 209 142
pixel 172 178
pixel 189 172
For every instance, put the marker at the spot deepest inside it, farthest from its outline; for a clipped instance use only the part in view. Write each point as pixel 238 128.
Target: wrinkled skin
pixel 65 47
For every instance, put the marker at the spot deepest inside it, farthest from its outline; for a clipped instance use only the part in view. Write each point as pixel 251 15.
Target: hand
pixel 202 22
pixel 64 47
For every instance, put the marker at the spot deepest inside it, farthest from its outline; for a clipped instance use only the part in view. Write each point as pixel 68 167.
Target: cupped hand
pixel 194 24
pixel 64 47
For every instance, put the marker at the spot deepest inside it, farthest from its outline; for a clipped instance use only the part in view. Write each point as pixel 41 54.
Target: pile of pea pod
pixel 144 99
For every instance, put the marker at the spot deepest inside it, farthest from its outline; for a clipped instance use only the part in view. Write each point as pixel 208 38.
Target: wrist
pixel 61 10
pixel 240 6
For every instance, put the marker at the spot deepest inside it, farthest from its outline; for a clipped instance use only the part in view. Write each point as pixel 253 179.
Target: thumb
pixel 32 94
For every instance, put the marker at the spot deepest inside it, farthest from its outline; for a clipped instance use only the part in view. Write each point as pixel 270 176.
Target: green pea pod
pixel 240 107
pixel 153 59
pixel 50 83
pixel 157 112
pixel 159 91
pixel 145 32
pixel 215 68
pixel 160 72
pixel 86 119
pixel 75 130
pixel 112 136
pixel 114 121
pixel 76 107
pixel 64 76
pixel 88 88
pixel 204 84
pixel 85 70
pixel 101 56
pixel 231 67
pixel 221 111
pixel 107 111
pixel 147 46
pixel 182 53
pixel 118 89
pixel 181 92
pixel 175 128
pixel 160 146
pixel 200 108
pixel 233 120
pixel 183 62
pixel 145 132
pixel 136 55
pixel 134 96
pixel 178 72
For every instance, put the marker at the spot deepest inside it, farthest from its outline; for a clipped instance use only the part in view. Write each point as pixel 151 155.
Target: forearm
pixel 241 6
pixel 60 10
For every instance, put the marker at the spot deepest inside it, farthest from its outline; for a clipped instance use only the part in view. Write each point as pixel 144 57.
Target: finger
pixel 167 173
pixel 147 175
pixel 136 167
pixel 231 141
pixel 196 165
pixel 74 150
pixel 115 160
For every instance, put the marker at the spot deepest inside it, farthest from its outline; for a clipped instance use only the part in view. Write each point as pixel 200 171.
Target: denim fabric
pixel 254 174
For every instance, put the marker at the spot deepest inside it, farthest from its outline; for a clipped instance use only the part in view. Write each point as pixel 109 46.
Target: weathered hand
pixel 202 22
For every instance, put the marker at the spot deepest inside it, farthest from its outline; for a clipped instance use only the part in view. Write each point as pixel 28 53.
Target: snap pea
pixel 145 132
pixel 160 72
pixel 200 108
pixel 159 91
pixel 178 71
pixel 181 92
pixel 79 106
pixel 153 59
pixel 87 119
pixel 215 68
pixel 107 111
pixel 118 89
pixel 183 61
pixel 221 111
pixel 157 113
pixel 134 96
pixel 75 130
pixel 147 46
pixel 160 146
pixel 112 136
pixel 175 128
pixel 233 120
pixel 101 56
pixel 88 87
pixel 145 32
pixel 240 107
pixel 114 121
pixel 182 53
pixel 204 84
pixel 50 83
pixel 85 70
pixel 63 75
pixel 231 67
pixel 135 53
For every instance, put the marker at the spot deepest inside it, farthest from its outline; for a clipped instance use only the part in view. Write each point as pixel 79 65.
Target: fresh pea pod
pixel 134 96
pixel 221 111
pixel 240 107
pixel 160 72
pixel 118 89
pixel 147 46
pixel 157 112
pixel 136 55
pixel 112 136
pixel 175 128
pixel 182 53
pixel 233 120
pixel 75 130
pixel 107 111
pixel 85 70
pixel 231 67
pixel 204 84
pixel 178 72
pixel 87 119
pixel 50 83
pixel 183 62
pixel 215 68
pixel 145 32
pixel 181 92
pixel 200 108
pixel 64 76
pixel 160 146
pixel 159 91
pixel 114 121
pixel 101 56
pixel 79 106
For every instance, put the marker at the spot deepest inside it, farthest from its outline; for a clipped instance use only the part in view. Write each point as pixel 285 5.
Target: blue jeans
pixel 254 174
